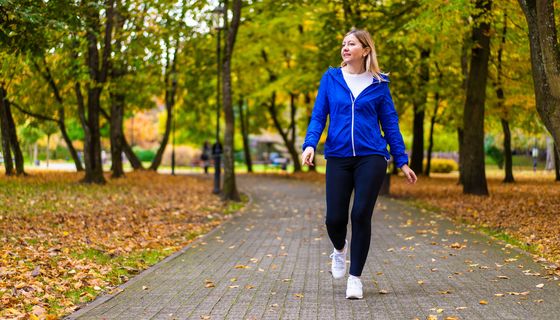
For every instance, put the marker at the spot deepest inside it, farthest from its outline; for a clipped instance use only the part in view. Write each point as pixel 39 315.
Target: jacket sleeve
pixel 389 120
pixel 318 116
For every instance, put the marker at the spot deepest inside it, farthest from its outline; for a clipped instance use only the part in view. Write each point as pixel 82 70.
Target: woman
pixel 357 100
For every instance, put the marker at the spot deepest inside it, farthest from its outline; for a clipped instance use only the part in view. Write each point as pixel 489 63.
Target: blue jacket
pixel 354 128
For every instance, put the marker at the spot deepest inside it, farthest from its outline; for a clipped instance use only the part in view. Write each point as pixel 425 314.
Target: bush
pixel 438 165
pixel 496 155
pixel 145 155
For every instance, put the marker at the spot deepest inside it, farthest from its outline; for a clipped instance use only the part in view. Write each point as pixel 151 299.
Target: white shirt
pixel 357 82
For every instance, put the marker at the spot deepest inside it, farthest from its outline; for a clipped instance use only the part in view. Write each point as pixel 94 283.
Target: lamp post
pixel 217 16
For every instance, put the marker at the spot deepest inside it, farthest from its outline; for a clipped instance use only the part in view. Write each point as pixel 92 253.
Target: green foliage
pixel 144 154
pixel 493 152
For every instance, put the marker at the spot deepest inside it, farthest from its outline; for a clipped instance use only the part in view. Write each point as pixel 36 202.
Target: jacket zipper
pixel 352 131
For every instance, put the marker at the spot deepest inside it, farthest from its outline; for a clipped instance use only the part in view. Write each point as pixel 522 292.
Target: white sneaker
pixel 338 265
pixel 354 288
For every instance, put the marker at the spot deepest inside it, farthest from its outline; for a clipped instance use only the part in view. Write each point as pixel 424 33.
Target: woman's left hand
pixel 409 174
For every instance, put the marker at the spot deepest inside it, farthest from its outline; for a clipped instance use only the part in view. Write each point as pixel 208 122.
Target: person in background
pixel 205 156
pixel 357 101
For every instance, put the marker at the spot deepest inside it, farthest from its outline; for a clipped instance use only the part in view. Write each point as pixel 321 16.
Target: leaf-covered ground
pixel 63 242
pixel 526 212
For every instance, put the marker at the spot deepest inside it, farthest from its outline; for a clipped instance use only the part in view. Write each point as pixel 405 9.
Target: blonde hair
pixel 370 61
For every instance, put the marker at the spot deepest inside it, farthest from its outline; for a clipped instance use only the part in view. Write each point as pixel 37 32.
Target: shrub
pixel 144 154
pixel 438 165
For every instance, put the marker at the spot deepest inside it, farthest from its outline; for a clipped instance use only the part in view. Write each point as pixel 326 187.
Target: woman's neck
pixel 355 68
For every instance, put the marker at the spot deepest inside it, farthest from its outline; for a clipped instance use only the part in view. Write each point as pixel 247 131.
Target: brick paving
pixel 271 262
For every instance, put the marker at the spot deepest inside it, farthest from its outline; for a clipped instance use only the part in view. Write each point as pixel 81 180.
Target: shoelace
pixel 338 260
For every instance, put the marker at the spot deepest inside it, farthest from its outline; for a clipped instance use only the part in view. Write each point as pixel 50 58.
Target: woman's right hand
pixel 307 156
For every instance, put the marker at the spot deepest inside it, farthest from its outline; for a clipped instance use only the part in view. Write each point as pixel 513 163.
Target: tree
pixel 474 180
pixel 98 70
pixel 545 60
pixel 230 188
pixel 500 95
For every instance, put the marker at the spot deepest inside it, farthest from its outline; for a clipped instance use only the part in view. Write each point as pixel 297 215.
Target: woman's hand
pixel 307 156
pixel 409 174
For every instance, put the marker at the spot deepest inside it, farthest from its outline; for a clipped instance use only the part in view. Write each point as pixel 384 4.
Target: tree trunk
pixel 431 138
pixel 500 105
pixel 230 188
pixel 545 61
pixel 126 148
pixel 287 141
pixel 473 115
pixel 557 162
pixel 507 152
pixel 69 145
pixel 170 91
pixel 14 144
pixel 461 138
pixel 4 126
pixel 170 101
pixel 244 119
pixel 467 43
pixel 130 155
pixel 117 136
pixel 293 125
pixel 308 111
pixel 98 75
pixel 417 156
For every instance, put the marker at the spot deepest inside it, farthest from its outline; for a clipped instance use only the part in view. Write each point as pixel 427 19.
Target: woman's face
pixel 352 49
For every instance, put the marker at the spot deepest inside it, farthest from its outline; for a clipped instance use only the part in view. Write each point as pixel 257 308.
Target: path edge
pixel 108 296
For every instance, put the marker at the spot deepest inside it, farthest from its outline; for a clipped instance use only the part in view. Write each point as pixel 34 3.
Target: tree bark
pixel 507 152
pixel 500 105
pixel 474 181
pixel 460 139
pixel 557 162
pixel 467 43
pixel 417 156
pixel 126 148
pixel 545 61
pixel 230 188
pixel 171 89
pixel 244 119
pixel 117 136
pixel 431 138
pixel 308 103
pixel 118 70
pixel 289 143
pixel 14 144
pixel 98 76
pixel 4 127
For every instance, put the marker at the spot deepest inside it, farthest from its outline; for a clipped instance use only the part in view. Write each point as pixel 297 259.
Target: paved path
pixel 271 262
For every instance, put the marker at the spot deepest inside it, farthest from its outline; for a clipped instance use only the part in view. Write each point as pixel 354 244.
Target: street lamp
pixel 217 21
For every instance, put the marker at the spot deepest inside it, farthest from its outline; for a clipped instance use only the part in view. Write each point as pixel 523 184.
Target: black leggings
pixel 363 175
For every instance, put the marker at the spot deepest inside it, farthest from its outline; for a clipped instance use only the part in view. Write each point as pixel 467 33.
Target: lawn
pixel 64 243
